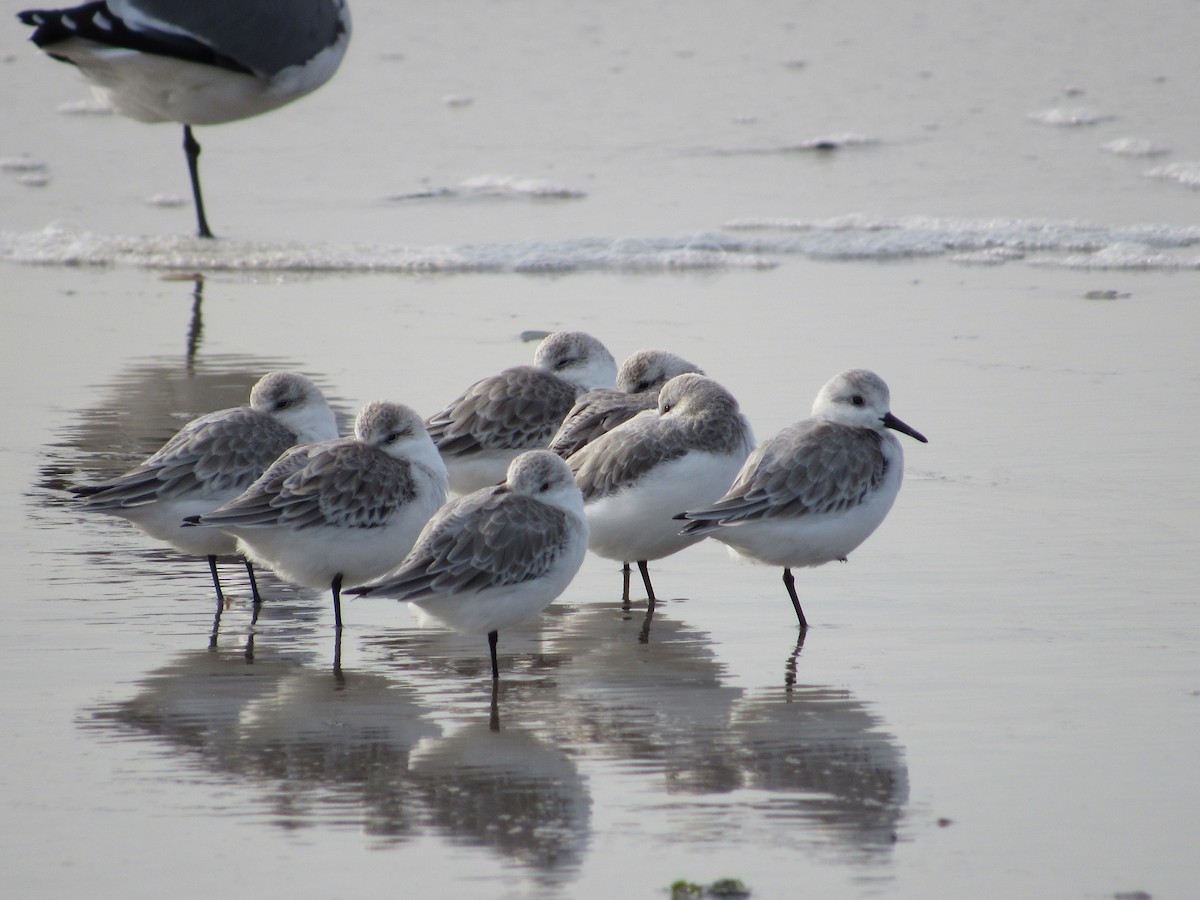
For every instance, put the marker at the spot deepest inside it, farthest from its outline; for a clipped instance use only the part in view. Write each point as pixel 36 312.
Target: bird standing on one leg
pixel 499 555
pixel 819 488
pixel 197 63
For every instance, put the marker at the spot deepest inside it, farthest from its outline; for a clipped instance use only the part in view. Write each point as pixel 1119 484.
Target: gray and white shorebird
pixel 815 491
pixel 600 410
pixel 341 512
pixel 518 409
pixel 499 555
pixel 210 461
pixel 197 63
pixel 637 477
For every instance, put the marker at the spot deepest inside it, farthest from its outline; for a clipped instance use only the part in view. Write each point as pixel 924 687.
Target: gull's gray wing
pixel 218 452
pixel 810 468
pixel 519 408
pixel 491 538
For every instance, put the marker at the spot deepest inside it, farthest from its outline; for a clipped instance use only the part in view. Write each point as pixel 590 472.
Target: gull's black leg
pixel 191 149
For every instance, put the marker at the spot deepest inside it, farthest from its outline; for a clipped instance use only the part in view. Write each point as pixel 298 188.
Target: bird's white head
pixel 297 403
pixel 860 398
pixel 577 357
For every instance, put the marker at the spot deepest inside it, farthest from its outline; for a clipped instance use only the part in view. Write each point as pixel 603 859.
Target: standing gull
pixel 197 63
pixel 816 490
pixel 519 409
pixel 341 512
pixel 638 476
pixel 210 461
pixel 499 555
pixel 600 410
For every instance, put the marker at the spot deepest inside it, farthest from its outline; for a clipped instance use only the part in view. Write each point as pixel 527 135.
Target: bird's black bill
pixel 891 421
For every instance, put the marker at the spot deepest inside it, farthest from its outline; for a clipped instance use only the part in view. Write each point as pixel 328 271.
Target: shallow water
pixel 1001 690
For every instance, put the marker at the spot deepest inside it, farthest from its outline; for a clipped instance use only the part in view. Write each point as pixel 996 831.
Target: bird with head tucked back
pixel 197 63
pixel 501 416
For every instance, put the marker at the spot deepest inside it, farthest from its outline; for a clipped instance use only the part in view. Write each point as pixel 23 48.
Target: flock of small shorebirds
pixel 547 461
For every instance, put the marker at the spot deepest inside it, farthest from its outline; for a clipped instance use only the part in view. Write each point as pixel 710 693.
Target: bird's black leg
pixel 191 149
pixel 790 583
pixel 644 568
pixel 253 590
pixel 212 567
pixel 625 573
pixel 493 637
pixel 336 587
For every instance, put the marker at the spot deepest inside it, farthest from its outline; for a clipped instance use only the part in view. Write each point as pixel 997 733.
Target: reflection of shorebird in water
pixel 311 746
pixel 507 790
pixel 662 705
pixel 826 761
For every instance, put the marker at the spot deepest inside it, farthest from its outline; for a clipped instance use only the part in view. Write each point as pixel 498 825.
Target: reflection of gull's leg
pixel 494 717
pixel 337 655
pixel 249 651
pixel 790 583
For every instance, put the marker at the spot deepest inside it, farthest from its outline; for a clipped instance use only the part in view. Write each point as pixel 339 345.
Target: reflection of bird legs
pixel 644 634
pixel 337 656
pixel 196 328
pixel 789 668
pixel 494 717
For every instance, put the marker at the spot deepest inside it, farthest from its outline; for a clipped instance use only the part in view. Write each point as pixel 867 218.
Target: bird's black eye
pixel 283 404
pixel 392 437
pixel 563 363
pixel 857 400
pixel 642 386
pixel 545 486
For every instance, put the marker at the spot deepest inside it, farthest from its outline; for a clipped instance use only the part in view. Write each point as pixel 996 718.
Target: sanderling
pixel 518 409
pixel 600 410
pixel 816 490
pixel 210 461
pixel 638 476
pixel 197 63
pixel 499 555
pixel 341 512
